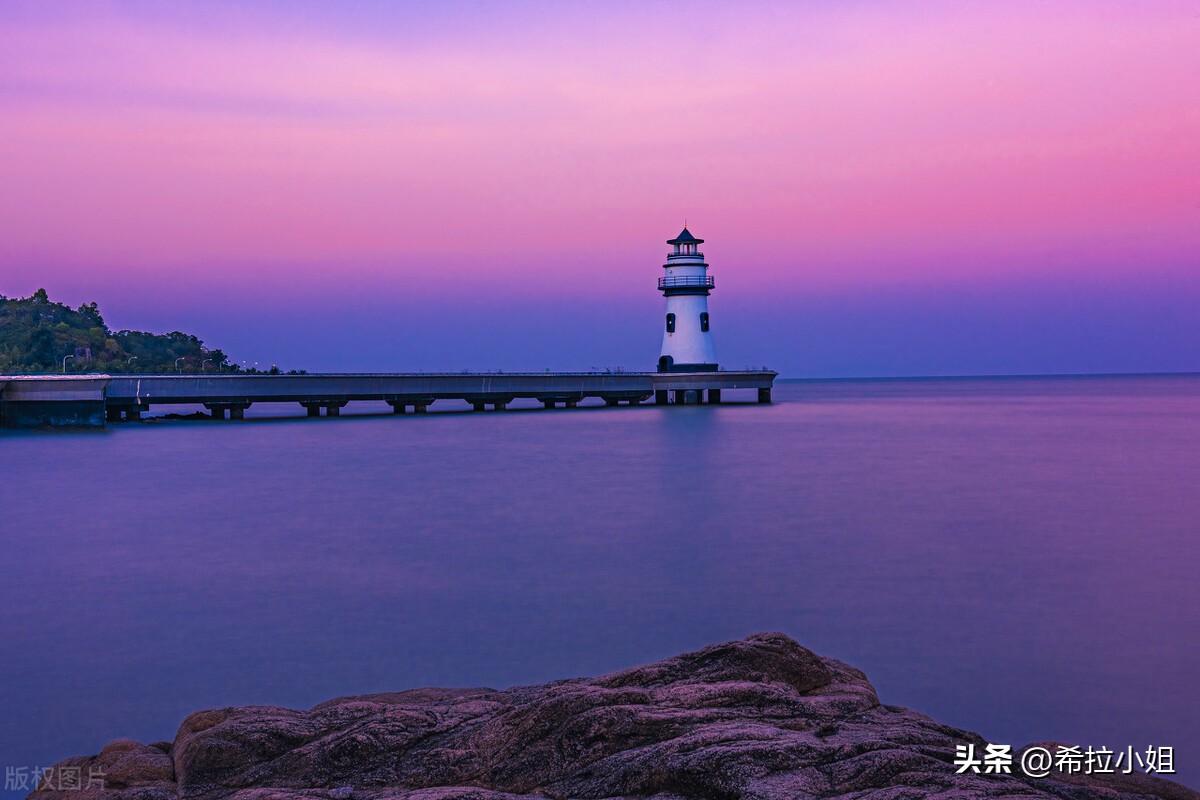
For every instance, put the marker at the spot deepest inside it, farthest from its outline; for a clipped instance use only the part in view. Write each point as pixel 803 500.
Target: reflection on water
pixel 1016 556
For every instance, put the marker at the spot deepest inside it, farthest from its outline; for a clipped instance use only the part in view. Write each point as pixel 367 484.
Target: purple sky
pixel 885 188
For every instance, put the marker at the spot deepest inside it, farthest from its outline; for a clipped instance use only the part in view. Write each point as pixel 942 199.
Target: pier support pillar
pixel 764 394
pixel 112 414
pixel 548 404
pixel 397 407
pixel 691 397
pixel 313 409
pixel 233 410
pixel 479 406
pixel 714 396
pixel 660 397
pixel 333 410
pixel 611 401
pixel 571 403
pixel 420 408
pixel 133 413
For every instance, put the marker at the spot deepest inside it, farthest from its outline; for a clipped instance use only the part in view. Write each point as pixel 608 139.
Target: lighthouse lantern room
pixel 687 344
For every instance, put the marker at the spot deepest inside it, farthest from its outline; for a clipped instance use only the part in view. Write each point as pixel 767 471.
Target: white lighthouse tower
pixel 687 344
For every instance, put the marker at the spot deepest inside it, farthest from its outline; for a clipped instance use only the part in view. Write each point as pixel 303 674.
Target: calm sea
pixel 1015 556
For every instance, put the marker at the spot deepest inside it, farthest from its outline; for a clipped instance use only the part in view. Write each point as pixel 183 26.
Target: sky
pixel 900 188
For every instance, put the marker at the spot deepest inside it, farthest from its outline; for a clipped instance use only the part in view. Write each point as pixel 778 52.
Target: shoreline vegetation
pixel 39 335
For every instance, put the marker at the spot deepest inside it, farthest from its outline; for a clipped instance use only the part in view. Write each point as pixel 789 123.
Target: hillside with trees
pixel 37 334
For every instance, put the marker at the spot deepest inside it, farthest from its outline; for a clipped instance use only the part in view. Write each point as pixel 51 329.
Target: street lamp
pixel 130 360
pixel 181 358
pixel 65 363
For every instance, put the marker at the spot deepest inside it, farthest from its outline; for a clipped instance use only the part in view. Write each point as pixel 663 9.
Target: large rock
pixel 760 718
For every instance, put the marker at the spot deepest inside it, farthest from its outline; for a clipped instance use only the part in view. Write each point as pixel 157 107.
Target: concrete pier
pixel 94 400
pixel 54 401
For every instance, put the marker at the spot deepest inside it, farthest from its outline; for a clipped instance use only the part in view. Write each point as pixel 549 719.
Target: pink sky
pixel 818 146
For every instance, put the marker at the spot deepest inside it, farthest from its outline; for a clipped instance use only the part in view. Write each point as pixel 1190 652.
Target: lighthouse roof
pixel 685 237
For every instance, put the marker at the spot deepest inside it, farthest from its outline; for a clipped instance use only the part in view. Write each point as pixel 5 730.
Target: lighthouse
pixel 687 344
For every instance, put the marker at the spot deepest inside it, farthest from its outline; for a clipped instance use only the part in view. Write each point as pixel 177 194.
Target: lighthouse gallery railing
pixel 700 281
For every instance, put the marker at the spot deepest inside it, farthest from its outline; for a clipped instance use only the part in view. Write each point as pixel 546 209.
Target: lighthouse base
pixel 668 364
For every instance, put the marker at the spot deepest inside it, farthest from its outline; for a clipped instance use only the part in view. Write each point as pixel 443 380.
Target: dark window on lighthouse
pixel 670 323
pixel 704 321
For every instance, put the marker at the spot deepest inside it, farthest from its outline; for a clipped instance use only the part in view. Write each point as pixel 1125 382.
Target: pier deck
pixel 93 400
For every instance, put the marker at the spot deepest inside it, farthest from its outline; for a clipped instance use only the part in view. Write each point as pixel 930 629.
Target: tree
pixel 42 351
pixel 91 312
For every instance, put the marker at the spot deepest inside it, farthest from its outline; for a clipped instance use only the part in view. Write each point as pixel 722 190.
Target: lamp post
pixel 130 360
pixel 181 358
pixel 65 363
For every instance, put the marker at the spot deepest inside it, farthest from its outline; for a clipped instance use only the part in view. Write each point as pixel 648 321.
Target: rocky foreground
pixel 760 718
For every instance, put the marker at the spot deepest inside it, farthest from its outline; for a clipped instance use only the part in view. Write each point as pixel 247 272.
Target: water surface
pixel 1015 556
